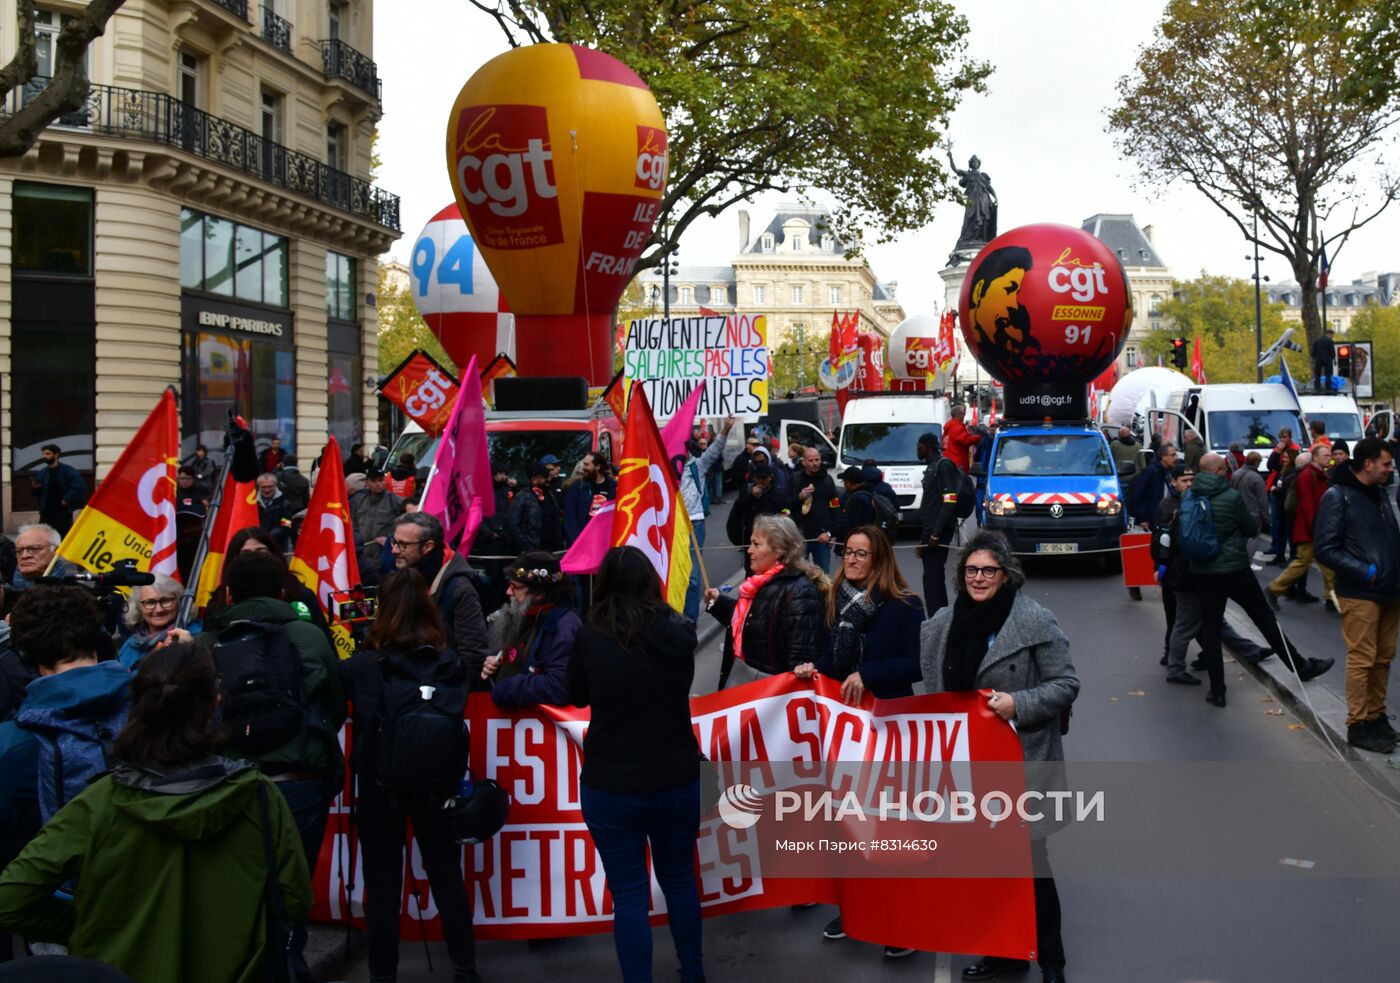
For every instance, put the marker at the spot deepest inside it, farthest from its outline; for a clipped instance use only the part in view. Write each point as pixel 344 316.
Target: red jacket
pixel 957 442
pixel 1309 487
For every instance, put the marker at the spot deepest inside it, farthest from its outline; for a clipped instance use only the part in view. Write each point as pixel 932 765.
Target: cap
pixel 853 474
pixel 929 439
pixel 374 474
pixel 549 459
pixel 535 568
pixel 1341 445
pixel 537 469
pixel 1181 470
pixel 872 474
pixel 760 449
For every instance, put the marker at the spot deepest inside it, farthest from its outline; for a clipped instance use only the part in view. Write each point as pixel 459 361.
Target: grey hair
pixel 266 474
pixel 786 540
pixel 164 586
pixel 1166 448
pixel 426 521
pixel 50 533
pixel 994 543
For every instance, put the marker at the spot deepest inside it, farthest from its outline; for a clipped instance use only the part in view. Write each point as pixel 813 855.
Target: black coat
pixel 857 509
pixel 785 626
pixel 639 738
pixel 1323 351
pixel 1355 528
pixel 938 515
pixel 296 487
pixel 890 666
pixel 746 508
pixel 819 518
pixel 1148 490
pixel 1178 576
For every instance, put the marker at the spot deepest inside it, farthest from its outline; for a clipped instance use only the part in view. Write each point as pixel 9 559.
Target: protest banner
pixel 423 389
pixel 541 877
pixel 458 489
pixel 670 358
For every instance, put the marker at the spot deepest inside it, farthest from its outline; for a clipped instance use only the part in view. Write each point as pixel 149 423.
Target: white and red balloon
pixel 456 294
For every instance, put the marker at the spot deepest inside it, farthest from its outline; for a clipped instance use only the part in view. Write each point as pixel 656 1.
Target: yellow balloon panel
pixel 558 161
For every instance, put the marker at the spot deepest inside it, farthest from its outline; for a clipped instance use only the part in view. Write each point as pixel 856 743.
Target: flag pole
pixel 201 553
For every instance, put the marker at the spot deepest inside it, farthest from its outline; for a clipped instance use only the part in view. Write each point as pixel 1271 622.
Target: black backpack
pixel 264 705
pixel 419 740
pixel 886 515
pixel 967 494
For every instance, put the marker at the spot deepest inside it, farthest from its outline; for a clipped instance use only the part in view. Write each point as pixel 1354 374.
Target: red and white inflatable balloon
pixel 456 293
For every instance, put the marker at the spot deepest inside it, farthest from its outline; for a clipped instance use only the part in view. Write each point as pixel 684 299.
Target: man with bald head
pixel 1226 576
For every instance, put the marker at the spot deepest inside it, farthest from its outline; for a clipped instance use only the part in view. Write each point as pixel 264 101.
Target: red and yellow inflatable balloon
pixel 557 155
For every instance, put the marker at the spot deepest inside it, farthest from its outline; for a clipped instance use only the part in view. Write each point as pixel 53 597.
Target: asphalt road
pixel 1308 927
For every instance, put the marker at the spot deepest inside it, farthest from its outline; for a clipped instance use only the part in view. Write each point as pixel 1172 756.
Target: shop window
pixel 52 229
pixel 345 400
pixel 254 379
pixel 231 260
pixel 340 287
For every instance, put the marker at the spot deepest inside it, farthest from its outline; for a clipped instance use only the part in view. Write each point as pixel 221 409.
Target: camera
pixel 359 604
pixel 122 575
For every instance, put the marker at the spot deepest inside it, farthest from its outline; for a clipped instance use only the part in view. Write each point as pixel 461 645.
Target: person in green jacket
pixel 168 850
pixel 1227 577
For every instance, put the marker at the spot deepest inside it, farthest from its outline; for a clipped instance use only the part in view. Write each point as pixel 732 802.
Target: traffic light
pixel 1344 361
pixel 1179 352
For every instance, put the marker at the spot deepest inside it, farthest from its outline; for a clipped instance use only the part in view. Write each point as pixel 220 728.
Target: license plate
pixel 1057 547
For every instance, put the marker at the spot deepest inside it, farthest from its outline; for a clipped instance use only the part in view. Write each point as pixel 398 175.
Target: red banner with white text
pixel 541 877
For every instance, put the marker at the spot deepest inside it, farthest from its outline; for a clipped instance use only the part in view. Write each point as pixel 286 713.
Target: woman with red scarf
pixel 776 622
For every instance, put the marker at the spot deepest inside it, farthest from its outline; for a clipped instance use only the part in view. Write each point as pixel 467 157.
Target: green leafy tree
pixel 402 329
pixel 1245 101
pixel 851 97
pixel 1381 326
pixel 1220 311
pixel 66 92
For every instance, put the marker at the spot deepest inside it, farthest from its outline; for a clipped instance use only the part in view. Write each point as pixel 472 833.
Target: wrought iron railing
pixel 239 7
pixel 155 116
pixel 277 31
pixel 344 62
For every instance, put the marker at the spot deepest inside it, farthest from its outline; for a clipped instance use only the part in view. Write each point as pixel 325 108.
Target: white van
pixel 1250 415
pixel 1338 413
pixel 884 427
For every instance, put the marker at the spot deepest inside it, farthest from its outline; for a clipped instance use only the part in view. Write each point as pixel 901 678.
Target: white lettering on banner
pixel 1081 283
pixel 163 510
pixel 211 319
pixel 729 355
pixel 503 179
pixel 430 396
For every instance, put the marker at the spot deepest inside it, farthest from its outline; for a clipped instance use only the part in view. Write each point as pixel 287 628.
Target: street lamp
pixel 1258 302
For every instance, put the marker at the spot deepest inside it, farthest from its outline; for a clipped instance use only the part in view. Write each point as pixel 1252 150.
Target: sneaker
pixel 1366 737
pixel 833 929
pixel 1273 600
pixel 1184 679
pixel 894 952
pixel 1312 668
pixel 1135 593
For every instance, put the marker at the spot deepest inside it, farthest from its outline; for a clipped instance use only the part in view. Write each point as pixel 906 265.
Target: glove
pixel 1161 573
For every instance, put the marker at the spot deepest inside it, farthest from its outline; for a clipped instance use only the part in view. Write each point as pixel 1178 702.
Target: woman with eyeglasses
pixel 150 614
pixel 997 640
pixel 872 622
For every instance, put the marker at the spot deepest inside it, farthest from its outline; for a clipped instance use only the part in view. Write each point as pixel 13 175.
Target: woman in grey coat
pixel 994 637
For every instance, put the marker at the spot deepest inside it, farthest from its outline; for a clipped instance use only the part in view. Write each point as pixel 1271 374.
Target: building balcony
pixel 160 118
pixel 344 62
pixel 238 8
pixel 277 31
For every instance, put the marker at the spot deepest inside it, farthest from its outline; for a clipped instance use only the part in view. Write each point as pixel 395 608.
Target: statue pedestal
pixel 953 276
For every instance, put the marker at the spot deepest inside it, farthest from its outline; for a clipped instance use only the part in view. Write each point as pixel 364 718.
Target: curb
pixel 332 952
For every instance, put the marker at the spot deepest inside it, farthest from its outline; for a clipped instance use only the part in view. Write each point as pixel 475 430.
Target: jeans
pixel 310 802
pixel 381 825
pixel 715 481
pixel 1369 629
pixel 1186 624
pixel 1218 589
pixel 692 592
pixel 820 554
pixel 622 826
pixel 935 582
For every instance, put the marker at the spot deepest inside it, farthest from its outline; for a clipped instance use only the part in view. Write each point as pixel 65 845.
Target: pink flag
pixel 586 553
pixel 460 490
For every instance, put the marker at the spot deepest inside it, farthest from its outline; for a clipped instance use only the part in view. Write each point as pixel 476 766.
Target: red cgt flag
pixel 131 516
pixel 325 555
pixel 238 510
pixel 424 390
pixel 1198 366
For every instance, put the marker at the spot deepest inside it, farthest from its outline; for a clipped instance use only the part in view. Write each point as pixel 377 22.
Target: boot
pixel 1312 668
pixel 1382 726
pixel 1366 737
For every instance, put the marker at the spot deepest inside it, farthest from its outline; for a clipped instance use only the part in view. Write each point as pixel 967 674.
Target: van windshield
pixel 517 449
pixel 422 446
pixel 886 443
pixel 1251 428
pixel 1343 426
pixel 1052 455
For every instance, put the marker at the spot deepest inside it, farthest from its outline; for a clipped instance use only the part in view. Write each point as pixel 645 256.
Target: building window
pixel 189 78
pixel 47 24
pixel 1130 357
pixel 799 242
pixel 1154 309
pixel 686 295
pixel 333 24
pixel 254 378
pixel 231 260
pixel 767 242
pixel 835 296
pixel 52 227
pixel 340 287
pixel 719 295
pixel 272 116
pixel 337 146
pixel 828 244
pixel 760 294
pixel 798 293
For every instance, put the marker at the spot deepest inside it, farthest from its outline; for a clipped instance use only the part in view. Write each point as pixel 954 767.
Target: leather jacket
pixel 1355 528
pixel 785 626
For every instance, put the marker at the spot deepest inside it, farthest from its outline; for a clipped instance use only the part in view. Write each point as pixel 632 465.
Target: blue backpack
pixel 73 751
pixel 1195 530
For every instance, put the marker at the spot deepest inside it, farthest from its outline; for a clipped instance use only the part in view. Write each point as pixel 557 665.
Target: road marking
pixel 943 968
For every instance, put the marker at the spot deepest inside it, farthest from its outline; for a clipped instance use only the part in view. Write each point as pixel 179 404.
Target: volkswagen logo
pixel 1057 510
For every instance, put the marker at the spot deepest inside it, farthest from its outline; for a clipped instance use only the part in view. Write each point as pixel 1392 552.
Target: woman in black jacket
pixel 633 663
pixel 775 624
pixel 406 652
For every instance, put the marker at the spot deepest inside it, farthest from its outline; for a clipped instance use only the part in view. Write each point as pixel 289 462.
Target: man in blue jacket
pixel 60 490
pixel 594 481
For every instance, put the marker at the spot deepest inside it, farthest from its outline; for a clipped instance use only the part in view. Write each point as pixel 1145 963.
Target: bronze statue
pixel 980 217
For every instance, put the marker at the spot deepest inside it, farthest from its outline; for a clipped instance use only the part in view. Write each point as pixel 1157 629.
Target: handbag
pixel 280 964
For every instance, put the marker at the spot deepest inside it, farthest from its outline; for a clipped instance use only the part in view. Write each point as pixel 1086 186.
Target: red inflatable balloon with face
pixel 1045 304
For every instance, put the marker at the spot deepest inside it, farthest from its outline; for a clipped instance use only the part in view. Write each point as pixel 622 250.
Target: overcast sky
pixel 1039 131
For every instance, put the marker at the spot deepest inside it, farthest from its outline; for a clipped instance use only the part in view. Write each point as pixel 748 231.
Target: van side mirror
pixel 977 471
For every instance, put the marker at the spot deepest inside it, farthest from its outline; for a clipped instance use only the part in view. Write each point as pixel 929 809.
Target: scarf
pixel 855 608
pixel 747 590
pixel 970 636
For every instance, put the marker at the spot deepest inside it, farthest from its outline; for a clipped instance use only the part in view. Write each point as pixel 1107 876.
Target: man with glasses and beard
pixel 532 637
pixel 418 543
